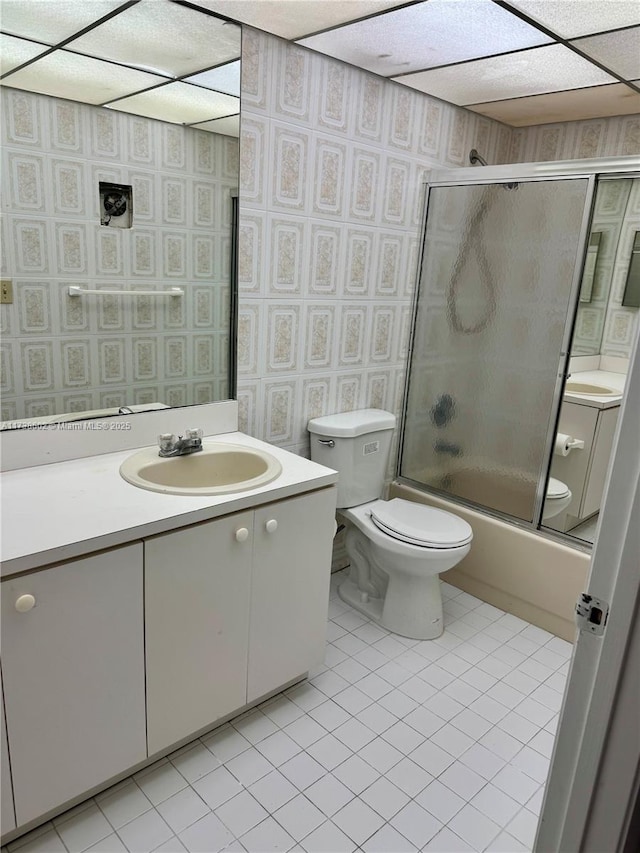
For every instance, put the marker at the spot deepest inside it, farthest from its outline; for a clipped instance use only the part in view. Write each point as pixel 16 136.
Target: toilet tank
pixel 356 445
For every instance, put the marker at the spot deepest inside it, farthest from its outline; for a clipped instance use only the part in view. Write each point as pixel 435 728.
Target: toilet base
pixel 420 619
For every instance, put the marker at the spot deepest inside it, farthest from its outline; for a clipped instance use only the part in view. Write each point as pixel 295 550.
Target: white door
pixel 73 672
pixel 289 589
pixel 593 782
pixel 196 626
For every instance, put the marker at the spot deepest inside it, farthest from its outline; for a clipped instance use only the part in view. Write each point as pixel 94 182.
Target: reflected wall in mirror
pixel 602 324
pixel 67 356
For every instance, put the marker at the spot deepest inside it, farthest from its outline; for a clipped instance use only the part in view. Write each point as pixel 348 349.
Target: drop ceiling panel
pixel 52 22
pixel 619 51
pixel 229 126
pixel 63 74
pixel 15 51
pixel 529 72
pixel 225 78
pixel 614 100
pixel 429 34
pixel 571 18
pixel 179 103
pixel 176 42
pixel 296 18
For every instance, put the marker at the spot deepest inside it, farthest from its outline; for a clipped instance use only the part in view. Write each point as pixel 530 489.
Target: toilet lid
pixel 420 525
pixel 557 489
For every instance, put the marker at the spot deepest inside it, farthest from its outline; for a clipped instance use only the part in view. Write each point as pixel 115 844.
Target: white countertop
pixel 597 377
pixel 68 509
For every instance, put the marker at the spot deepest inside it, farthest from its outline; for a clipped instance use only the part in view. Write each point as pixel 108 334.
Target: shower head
pixel 474 158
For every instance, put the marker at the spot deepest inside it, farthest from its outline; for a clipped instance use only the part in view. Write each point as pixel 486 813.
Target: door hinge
pixel 592 614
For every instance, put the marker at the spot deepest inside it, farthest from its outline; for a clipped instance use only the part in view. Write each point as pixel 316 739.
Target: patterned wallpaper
pixel 332 162
pixel 63 353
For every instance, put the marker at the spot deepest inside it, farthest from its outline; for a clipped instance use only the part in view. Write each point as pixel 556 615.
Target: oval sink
pixel 589 388
pixel 216 470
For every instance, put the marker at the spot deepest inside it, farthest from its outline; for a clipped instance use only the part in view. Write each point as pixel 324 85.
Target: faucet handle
pixel 166 440
pixel 193 433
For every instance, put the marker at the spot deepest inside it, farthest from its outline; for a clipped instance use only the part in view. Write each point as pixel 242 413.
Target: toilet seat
pixel 420 525
pixel 557 489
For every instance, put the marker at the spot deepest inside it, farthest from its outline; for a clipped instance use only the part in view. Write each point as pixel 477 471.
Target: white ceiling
pixel 521 62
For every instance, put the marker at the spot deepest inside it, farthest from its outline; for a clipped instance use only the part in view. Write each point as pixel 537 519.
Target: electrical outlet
pixel 6 291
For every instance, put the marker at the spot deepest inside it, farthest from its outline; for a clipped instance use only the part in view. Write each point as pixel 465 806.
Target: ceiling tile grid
pixel 518 61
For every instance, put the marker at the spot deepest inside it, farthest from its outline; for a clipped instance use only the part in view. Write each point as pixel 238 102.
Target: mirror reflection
pixel 603 337
pixel 119 218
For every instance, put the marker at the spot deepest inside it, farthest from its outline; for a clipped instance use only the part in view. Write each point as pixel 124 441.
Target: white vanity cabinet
pixel 73 673
pixel 234 608
pixel 197 587
pixel 584 471
pixel 289 589
pixel 7 814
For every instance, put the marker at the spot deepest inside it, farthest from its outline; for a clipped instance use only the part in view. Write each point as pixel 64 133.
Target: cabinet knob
pixel 242 534
pixel 271 526
pixel 25 602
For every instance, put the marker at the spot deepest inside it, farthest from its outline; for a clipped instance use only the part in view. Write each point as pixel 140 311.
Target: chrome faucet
pixel 170 445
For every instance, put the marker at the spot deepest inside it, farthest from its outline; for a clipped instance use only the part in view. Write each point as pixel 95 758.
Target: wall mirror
pixel 120 126
pixel 602 341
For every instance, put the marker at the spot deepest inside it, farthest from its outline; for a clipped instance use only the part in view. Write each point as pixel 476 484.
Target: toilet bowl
pixel 557 498
pixel 396 548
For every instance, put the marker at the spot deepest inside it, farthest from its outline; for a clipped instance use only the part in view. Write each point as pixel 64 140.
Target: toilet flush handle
pixel 329 442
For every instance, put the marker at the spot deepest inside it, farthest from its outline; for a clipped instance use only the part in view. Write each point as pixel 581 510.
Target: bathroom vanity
pixel 133 621
pixel 590 417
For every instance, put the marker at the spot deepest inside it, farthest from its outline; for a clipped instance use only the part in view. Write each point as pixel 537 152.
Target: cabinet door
pixel 7 815
pixel 290 589
pixel 73 669
pixel 197 625
pixel 599 462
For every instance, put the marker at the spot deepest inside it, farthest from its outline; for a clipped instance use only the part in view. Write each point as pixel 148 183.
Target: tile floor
pixel 393 745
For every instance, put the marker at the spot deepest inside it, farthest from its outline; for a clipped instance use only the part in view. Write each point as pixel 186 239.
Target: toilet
pixel 396 548
pixel 557 498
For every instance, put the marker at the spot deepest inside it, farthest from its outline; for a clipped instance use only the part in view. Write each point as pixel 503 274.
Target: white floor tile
pixel 532 763
pixel 111 844
pixel 356 774
pixel 249 766
pixel 124 804
pixel 302 771
pixel 403 737
pixel 351 670
pixel 471 724
pixel 329 794
pixel 388 840
pixel 217 787
pixel 358 820
pixel 39 842
pixel 432 758
pixel 207 835
pixel 484 762
pixel 279 747
pixel 524 827
pixel 489 709
pixel 225 743
pixel 329 683
pixel 417 688
pixel 462 780
pixel 241 813
pixel 495 804
pixel 353 734
pixel 329 715
pixel 328 837
pixel 501 744
pixel 194 762
pixel 305 696
pixel 254 726
pixel 446 842
pixel 281 710
pixel 352 700
pixel 329 751
pixel 374 686
pixel 160 781
pixel 515 784
pixel 440 801
pixel 273 791
pixel 145 833
pixel 84 829
pixel 267 837
pixel 533 711
pixel 474 827
pixel 409 777
pixel 299 817
pixel 416 824
pixel 462 692
pixel 425 722
pixel 377 718
pixel 398 703
pixel 380 755
pixel 452 740
pixel 385 798
pixel 183 809
pixel 506 843
pixel 518 727
pixel 444 706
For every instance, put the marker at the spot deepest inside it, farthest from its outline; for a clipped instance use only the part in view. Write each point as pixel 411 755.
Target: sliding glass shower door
pixel 492 325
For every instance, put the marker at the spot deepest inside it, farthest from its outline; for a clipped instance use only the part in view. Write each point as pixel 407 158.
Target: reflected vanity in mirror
pixel 604 332
pixel 119 207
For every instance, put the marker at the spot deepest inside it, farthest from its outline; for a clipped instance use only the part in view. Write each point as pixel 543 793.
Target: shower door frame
pixel 590 170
